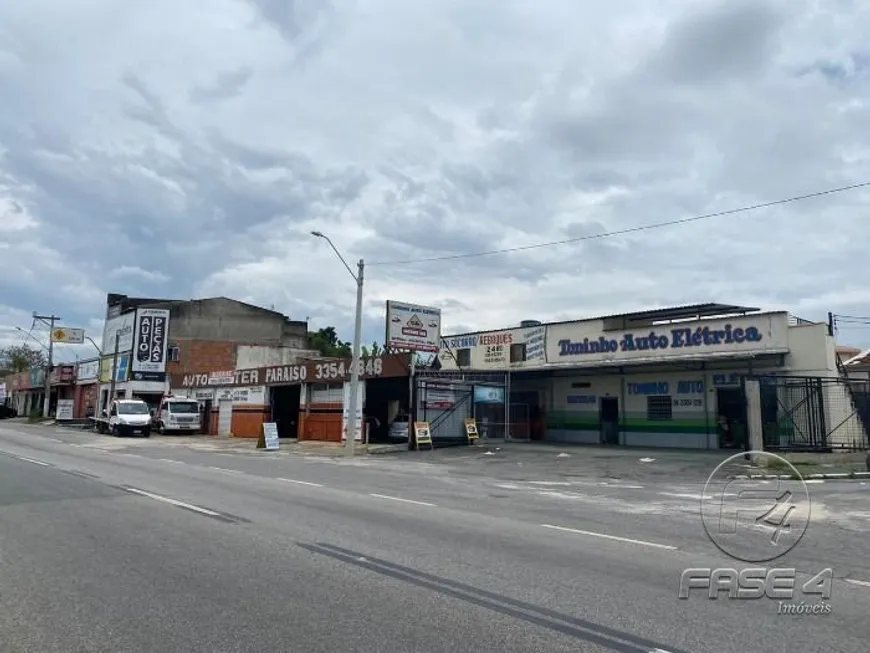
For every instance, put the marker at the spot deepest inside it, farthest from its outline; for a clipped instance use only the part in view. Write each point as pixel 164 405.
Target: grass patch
pixel 782 465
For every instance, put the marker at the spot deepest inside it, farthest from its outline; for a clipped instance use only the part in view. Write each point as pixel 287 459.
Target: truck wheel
pixel 161 429
pixel 116 431
pixel 146 433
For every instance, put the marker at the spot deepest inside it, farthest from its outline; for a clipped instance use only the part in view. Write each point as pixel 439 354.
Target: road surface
pixel 120 545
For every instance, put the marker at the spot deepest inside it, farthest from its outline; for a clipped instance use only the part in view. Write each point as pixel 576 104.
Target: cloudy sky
pixel 184 149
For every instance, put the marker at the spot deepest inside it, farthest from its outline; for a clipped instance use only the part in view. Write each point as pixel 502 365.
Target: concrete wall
pixel 229 320
pixel 252 356
pixel 573 410
pixel 811 351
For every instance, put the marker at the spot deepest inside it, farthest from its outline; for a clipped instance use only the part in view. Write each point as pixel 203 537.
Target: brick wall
pixel 196 356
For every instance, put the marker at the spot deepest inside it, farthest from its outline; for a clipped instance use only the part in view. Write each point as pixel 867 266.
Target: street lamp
pixel 27 334
pixel 91 340
pixel 355 367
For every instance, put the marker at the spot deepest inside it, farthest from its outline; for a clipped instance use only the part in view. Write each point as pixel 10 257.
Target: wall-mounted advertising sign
pixel 67 336
pixel 584 341
pixel 122 326
pixel 413 327
pixel 150 347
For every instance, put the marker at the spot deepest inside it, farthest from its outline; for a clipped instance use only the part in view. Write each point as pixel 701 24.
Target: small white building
pixel 662 378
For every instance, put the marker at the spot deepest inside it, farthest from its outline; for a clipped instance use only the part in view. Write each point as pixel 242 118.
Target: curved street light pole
pixel 91 340
pixel 355 366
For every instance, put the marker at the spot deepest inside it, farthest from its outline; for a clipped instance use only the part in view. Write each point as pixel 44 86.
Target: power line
pixel 630 230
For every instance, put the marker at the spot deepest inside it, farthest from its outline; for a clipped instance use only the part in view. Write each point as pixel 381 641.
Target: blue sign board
pixel 488 394
pixel 664 388
pixel 680 338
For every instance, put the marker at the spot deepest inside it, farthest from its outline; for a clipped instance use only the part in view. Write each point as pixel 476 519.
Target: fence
pixel 813 414
pixel 446 400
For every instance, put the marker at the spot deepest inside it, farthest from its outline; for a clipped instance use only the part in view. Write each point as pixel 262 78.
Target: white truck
pixel 125 417
pixel 177 414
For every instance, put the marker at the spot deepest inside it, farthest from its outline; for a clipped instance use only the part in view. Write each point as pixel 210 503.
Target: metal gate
pixel 446 399
pixel 817 414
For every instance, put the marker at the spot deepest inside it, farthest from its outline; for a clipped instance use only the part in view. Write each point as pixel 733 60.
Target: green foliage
pixel 326 341
pixel 374 350
pixel 20 358
pixel 35 414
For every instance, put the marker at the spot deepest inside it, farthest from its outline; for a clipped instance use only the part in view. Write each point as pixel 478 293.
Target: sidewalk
pixel 524 460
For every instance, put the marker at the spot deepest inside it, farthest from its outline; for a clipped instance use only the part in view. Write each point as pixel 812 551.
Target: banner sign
pixel 151 332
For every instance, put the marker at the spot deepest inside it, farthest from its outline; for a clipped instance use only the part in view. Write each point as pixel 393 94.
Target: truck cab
pixel 128 417
pixel 177 415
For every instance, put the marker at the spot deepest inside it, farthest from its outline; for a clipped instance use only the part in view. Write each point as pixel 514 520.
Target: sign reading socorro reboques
pixel 325 370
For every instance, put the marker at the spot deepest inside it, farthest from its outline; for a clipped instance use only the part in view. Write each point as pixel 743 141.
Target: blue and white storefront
pixel 665 378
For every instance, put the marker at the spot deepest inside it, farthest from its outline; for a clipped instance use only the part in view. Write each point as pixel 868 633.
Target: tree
pixel 374 350
pixel 326 342
pixel 20 358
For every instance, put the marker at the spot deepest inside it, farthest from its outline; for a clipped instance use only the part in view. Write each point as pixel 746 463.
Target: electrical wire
pixel 629 230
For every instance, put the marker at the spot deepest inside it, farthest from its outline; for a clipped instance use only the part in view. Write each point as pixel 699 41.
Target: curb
pixel 840 476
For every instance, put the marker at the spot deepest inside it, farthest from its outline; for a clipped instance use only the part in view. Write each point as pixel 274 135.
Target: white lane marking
pixel 228 471
pixel 293 480
pixel 814 481
pixel 53 440
pixel 549 483
pixel 169 460
pixel 855 581
pixel 35 462
pixel 174 502
pixel 605 536
pixel 659 650
pixel 387 496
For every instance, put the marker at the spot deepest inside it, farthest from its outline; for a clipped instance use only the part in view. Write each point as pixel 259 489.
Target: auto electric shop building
pixel 661 378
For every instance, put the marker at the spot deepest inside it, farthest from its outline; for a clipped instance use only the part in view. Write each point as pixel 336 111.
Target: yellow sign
pixel 471 429
pixel 68 336
pixel 121 368
pixel 422 434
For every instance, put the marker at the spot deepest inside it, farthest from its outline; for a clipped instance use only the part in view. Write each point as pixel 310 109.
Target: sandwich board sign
pixel 471 430
pixel 422 434
pixel 268 437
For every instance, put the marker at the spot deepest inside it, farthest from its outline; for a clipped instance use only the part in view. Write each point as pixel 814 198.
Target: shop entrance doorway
pixel 284 400
pixel 608 412
pixel 731 418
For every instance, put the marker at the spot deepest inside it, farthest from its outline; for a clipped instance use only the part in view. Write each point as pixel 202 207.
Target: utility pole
pixel 355 365
pixel 114 368
pixel 49 321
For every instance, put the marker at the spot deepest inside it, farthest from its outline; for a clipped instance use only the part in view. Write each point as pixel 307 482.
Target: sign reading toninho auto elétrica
pixel 414 327
pixel 149 351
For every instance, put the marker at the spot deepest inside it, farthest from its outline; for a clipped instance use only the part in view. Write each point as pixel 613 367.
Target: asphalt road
pixel 120 545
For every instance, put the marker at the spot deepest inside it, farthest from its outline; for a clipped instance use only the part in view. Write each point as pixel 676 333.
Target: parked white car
pixel 125 417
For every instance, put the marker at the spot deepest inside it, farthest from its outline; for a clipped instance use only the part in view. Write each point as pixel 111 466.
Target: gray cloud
pixel 411 130
pixel 227 84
